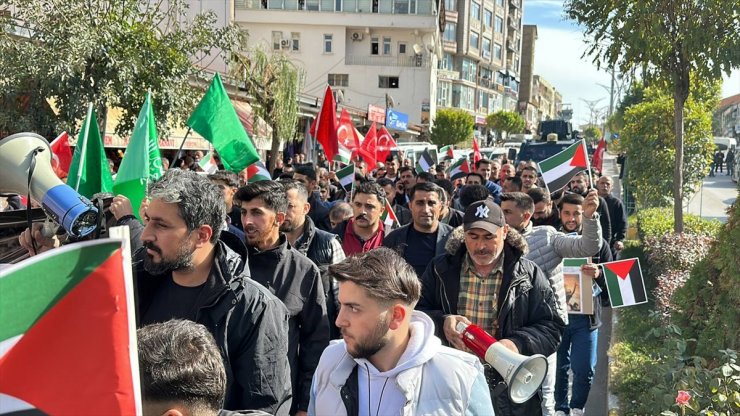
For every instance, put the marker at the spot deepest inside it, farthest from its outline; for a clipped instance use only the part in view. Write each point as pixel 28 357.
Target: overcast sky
pixel 558 59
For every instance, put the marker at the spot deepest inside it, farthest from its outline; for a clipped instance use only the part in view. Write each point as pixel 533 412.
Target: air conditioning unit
pixel 285 43
pixel 357 36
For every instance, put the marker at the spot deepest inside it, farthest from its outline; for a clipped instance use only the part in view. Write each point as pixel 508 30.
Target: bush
pixel 656 222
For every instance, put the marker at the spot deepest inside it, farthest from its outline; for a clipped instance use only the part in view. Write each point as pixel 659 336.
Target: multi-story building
pixel 726 120
pixel 479 69
pixel 546 103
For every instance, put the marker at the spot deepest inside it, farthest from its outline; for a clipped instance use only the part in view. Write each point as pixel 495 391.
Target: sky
pixel 558 59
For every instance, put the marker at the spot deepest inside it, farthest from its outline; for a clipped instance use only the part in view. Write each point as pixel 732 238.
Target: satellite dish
pixel 389 101
pixel 418 49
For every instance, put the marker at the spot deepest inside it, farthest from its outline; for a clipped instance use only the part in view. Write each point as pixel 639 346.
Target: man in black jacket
pixel 319 212
pixel 291 276
pixel 184 271
pixel 483 278
pixel 580 184
pixel 321 247
pixel 426 236
pixel 402 213
pixel 617 213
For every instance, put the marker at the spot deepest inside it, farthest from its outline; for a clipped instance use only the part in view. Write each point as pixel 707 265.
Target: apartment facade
pixel 481 57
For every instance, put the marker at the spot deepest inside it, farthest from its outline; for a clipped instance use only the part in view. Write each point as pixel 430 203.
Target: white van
pixel 725 143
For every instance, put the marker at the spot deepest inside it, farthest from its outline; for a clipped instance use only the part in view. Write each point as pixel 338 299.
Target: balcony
pixel 516 3
pixel 402 7
pixel 413 61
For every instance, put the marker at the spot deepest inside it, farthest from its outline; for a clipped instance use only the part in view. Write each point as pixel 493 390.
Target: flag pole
pixel 588 164
pixel 83 149
pixel 177 155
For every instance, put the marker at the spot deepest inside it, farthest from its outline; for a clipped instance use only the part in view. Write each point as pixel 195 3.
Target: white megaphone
pixel 25 163
pixel 524 375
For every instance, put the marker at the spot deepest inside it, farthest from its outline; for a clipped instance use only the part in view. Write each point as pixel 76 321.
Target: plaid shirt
pixel 478 297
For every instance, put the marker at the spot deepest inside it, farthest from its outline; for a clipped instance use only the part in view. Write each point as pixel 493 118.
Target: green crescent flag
pixel 89 172
pixel 215 119
pixel 142 162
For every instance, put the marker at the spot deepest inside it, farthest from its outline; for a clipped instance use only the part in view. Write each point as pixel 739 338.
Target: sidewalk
pixel 715 195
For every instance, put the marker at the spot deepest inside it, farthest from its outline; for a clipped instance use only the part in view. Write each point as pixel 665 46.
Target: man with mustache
pixel 184 271
pixel 425 237
pixel 389 361
pixel 291 276
pixel 364 231
pixel 484 279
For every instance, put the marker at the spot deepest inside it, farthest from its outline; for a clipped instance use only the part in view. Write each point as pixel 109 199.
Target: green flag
pixel 89 172
pixel 142 162
pixel 215 119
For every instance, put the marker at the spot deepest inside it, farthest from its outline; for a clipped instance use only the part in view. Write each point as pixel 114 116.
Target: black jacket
pixel 454 218
pixel 617 218
pixel 604 219
pixel 250 326
pixel 604 256
pixel 397 240
pixel 527 308
pixel 318 212
pixel 295 280
pixel 402 213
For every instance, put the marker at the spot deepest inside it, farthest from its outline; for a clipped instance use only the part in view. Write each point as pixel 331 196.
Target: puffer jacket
pixel 249 324
pixel 548 247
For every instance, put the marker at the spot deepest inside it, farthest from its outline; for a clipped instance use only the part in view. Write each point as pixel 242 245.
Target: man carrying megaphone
pixel 484 280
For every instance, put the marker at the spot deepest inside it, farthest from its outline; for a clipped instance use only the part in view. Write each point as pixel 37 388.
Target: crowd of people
pixel 293 296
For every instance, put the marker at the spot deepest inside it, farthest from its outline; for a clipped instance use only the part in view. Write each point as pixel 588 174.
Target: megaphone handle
pixel 31 168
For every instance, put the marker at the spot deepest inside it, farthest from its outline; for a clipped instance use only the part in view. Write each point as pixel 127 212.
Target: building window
pixel 482 100
pixel 451 5
pixel 386 46
pixel 446 62
pixel 488 18
pixel 387 82
pixel 443 94
pixel 486 49
pixel 402 48
pixel 374 46
pixel 497 51
pixel 296 38
pixel 499 24
pixel 337 5
pixel 277 37
pixel 404 6
pixel 312 5
pixel 338 80
pixel 450 32
pixel 469 70
pixel 474 40
pixel 327 43
pixel 500 3
pixel 475 11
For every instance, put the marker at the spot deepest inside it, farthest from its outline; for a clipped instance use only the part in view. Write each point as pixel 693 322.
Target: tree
pixel 273 82
pixel 452 126
pixel 506 121
pixel 592 133
pixel 649 145
pixel 671 41
pixel 105 52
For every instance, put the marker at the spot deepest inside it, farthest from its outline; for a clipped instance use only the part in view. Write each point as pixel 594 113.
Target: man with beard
pixel 484 279
pixel 364 231
pixel 407 178
pixel 529 178
pixel 580 185
pixel 402 213
pixel 389 361
pixel 545 213
pixel 291 276
pixel 617 213
pixel 183 271
pixel 489 171
pixel 319 212
pixel 391 169
pixel 425 237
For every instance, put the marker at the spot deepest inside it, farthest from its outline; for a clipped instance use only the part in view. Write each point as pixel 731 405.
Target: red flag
pixel 368 149
pixel 346 133
pixel 324 127
pixel 598 160
pixel 385 145
pixel 476 152
pixel 61 155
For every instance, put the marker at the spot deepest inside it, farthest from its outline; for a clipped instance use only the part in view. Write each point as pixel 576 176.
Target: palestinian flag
pixel 346 177
pixel 558 170
pixel 208 163
pixel 389 217
pixel 459 169
pixel 67 333
pixel 448 153
pixel 258 172
pixel 624 282
pixel 425 162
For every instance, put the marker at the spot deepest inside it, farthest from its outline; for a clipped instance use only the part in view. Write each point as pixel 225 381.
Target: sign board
pixel 376 114
pixel 396 119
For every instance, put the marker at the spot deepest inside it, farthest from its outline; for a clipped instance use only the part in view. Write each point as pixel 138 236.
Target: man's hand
pixel 618 246
pixel 590 204
pixel 120 207
pixel 42 243
pixel 591 270
pixel 453 337
pixel 142 209
pixel 509 345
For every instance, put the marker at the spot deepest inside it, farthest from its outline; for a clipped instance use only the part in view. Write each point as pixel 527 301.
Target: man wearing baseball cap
pixel 484 279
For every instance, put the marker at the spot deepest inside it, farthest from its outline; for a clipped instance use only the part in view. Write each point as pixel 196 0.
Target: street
pixel 715 195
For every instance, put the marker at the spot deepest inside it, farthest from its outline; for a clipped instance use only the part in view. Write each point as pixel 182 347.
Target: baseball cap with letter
pixel 486 215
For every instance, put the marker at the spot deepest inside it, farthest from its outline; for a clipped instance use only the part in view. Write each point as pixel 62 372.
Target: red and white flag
pixel 476 152
pixel 324 126
pixel 385 144
pixel 61 155
pixel 598 159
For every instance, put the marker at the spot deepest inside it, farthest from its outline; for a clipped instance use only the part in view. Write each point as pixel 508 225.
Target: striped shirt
pixel 478 297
